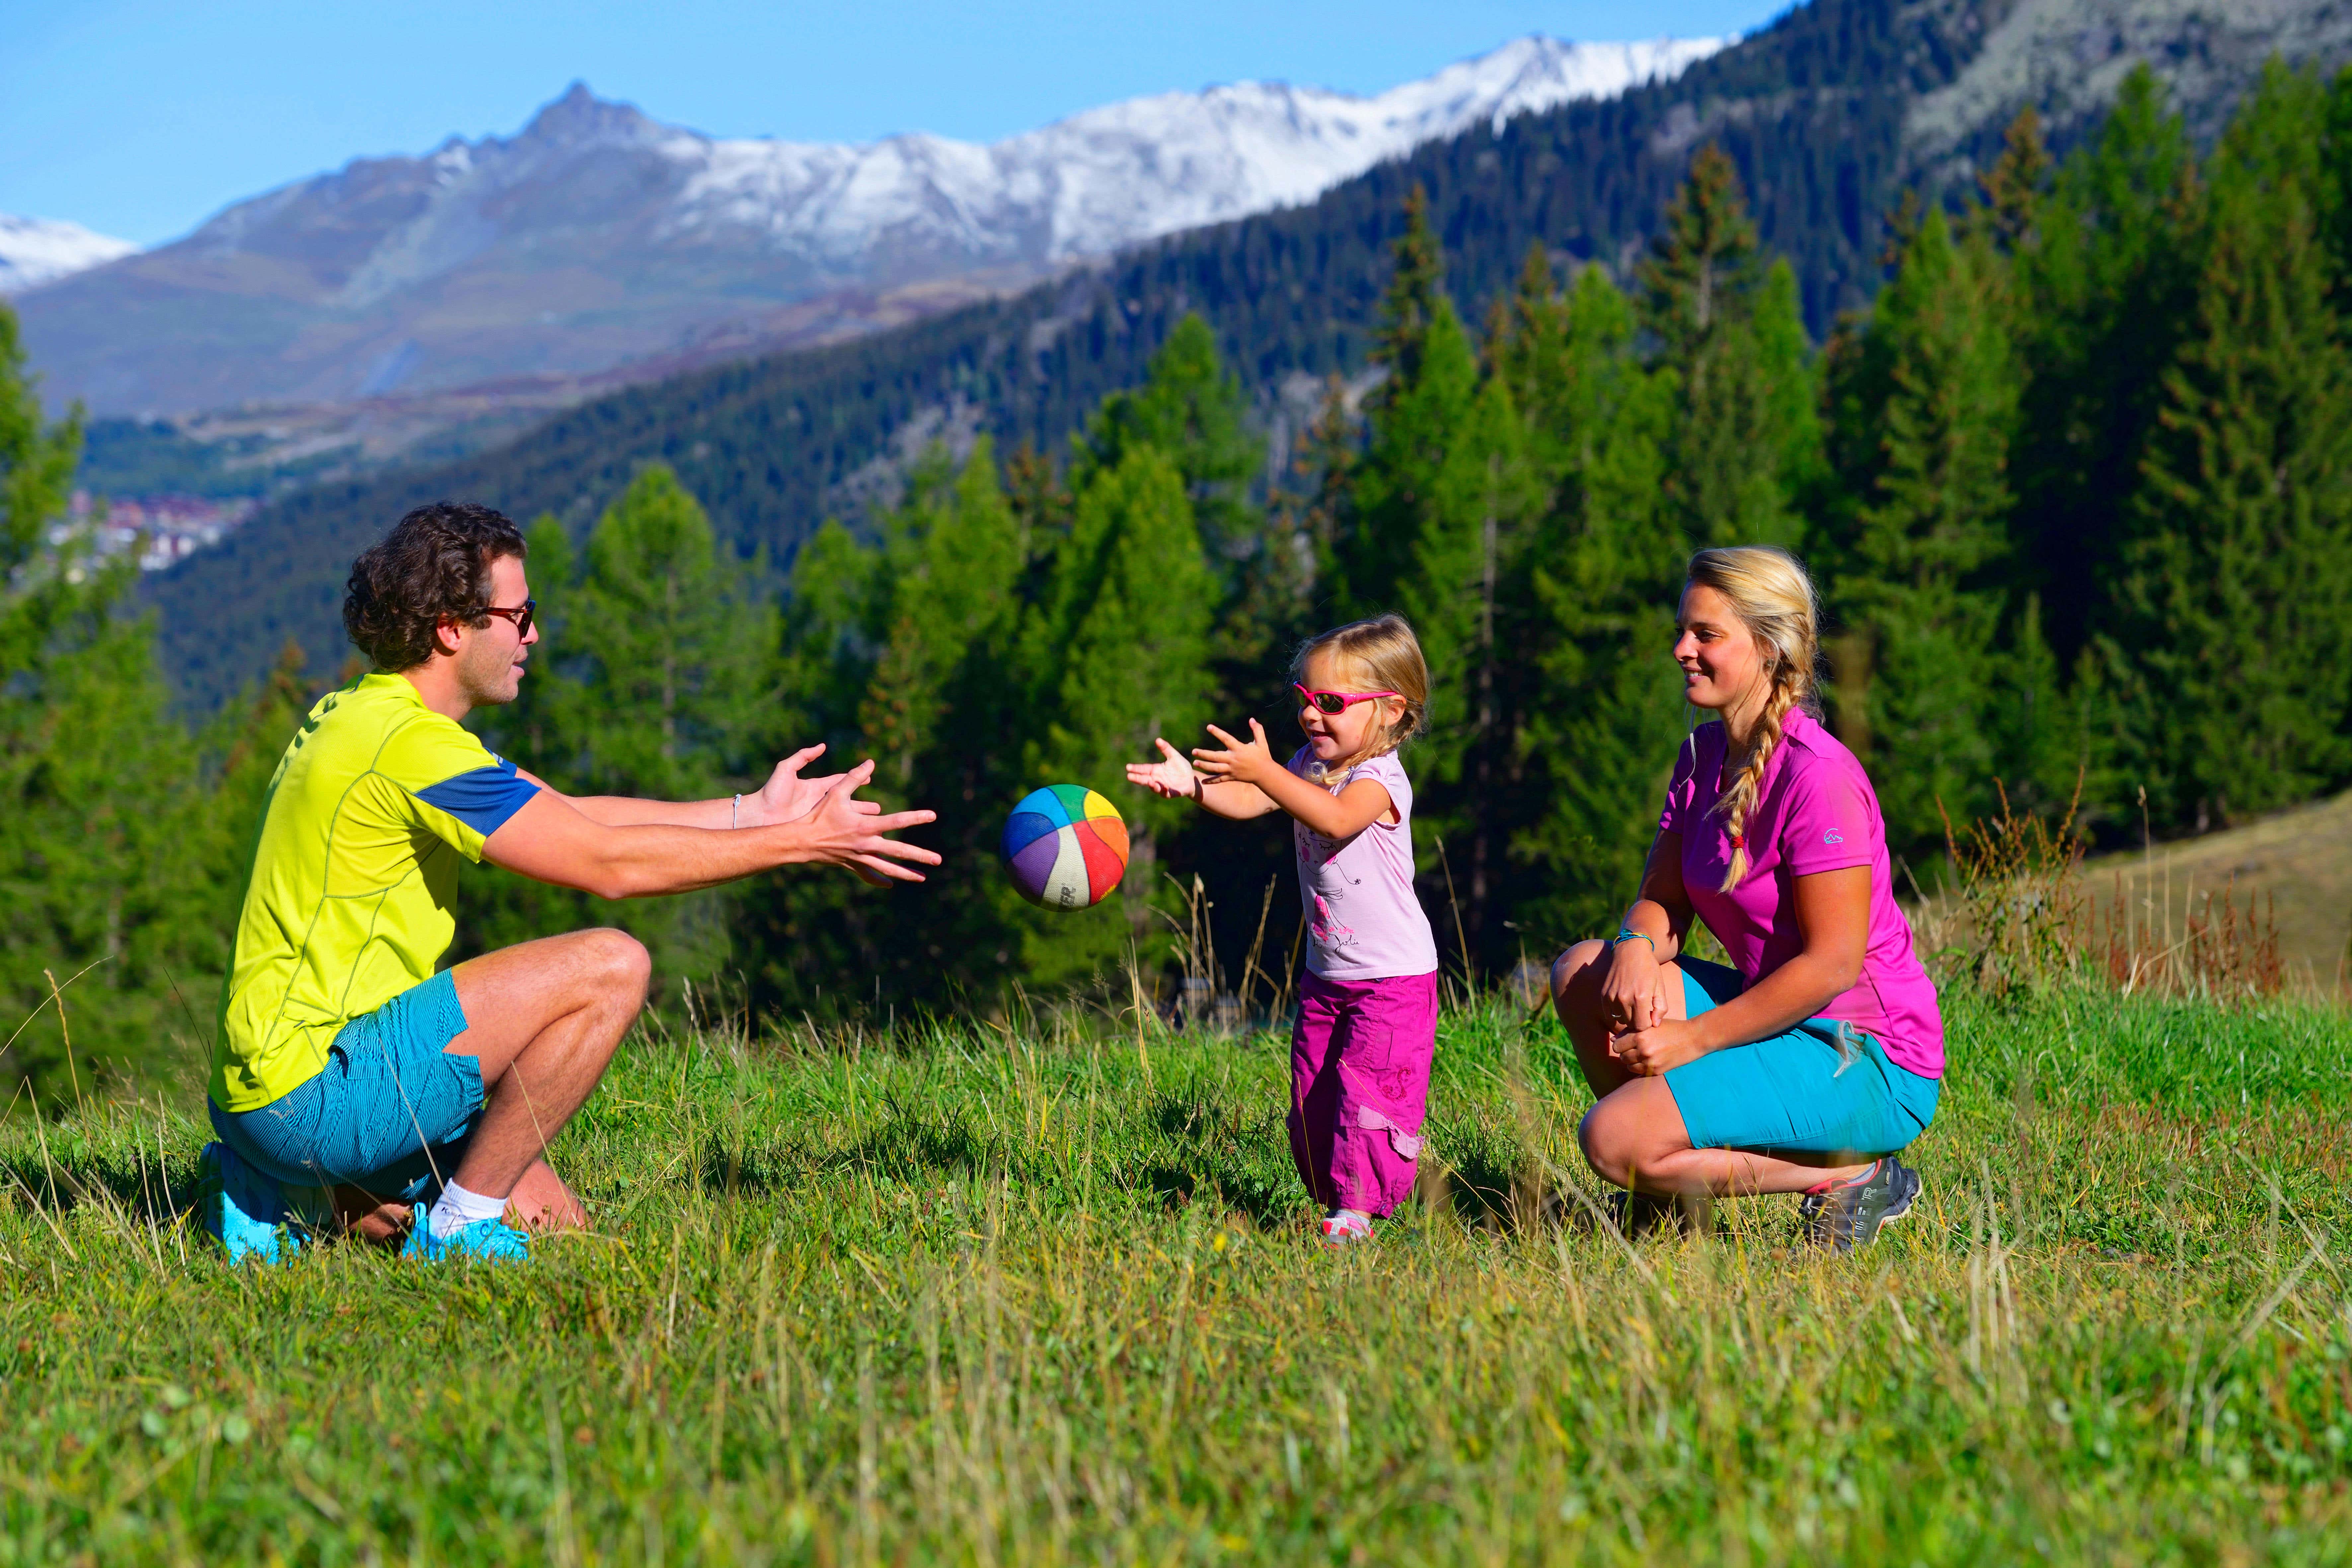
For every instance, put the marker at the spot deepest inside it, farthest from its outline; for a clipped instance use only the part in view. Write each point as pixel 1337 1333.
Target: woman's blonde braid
pixel 1737 802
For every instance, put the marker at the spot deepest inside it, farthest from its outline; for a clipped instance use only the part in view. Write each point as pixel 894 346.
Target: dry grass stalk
pixel 2024 921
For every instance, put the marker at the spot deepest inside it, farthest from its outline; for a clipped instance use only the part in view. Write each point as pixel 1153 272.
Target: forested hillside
pixel 2075 491
pixel 1811 112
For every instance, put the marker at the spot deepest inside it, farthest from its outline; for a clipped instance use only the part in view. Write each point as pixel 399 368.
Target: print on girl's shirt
pixel 1356 897
pixel 1328 932
pixel 1315 853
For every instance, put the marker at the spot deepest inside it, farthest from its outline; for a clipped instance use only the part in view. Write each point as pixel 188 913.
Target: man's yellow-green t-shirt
pixel 351 899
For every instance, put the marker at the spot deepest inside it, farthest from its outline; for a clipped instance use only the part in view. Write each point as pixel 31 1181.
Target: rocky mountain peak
pixel 580 118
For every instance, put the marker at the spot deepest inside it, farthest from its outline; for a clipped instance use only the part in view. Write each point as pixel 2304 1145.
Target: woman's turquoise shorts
pixel 1792 1093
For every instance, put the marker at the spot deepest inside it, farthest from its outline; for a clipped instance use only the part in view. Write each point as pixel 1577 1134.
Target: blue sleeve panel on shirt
pixel 483 798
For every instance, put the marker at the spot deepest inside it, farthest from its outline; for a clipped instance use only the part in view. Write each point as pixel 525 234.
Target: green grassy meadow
pixel 1038 1296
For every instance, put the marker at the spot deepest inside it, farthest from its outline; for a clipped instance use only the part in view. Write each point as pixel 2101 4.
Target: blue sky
pixel 140 118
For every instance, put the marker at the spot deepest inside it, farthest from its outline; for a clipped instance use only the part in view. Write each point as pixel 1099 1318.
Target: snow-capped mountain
pixel 35 250
pixel 598 235
pixel 1137 170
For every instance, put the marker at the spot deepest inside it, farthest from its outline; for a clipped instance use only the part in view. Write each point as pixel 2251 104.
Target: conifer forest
pixel 2077 489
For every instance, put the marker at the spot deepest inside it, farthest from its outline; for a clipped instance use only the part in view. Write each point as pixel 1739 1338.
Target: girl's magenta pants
pixel 1359 1057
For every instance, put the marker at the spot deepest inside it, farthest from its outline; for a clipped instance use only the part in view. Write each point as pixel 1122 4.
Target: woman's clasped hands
pixel 1633 1006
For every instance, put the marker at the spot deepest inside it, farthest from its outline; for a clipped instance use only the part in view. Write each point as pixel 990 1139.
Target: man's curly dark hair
pixel 435 565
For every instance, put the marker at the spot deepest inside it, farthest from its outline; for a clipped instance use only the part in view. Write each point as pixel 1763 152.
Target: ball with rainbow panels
pixel 1065 847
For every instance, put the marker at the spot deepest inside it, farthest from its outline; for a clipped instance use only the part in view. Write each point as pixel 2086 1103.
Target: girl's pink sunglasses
pixel 1337 701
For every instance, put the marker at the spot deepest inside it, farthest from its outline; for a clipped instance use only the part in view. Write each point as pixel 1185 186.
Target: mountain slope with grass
pixel 2290 872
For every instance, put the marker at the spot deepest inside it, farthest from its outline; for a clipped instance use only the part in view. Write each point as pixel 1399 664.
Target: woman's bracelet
pixel 1627 933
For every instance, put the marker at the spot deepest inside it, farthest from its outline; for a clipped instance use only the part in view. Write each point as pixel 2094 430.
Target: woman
pixel 1807 1067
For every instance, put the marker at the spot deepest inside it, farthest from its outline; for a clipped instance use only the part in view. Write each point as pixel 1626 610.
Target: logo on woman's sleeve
pixel 1833 837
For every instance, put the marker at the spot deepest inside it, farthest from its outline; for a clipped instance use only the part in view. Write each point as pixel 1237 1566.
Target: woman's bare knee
pixel 1634 1130
pixel 1577 961
pixel 1604 1147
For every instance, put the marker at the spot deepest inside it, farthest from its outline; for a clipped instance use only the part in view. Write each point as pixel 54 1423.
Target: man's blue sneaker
pixel 242 1209
pixel 492 1240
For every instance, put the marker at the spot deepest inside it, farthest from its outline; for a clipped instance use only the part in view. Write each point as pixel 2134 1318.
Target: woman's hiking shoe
pixel 1844 1216
pixel 1344 1227
pixel 242 1209
pixel 490 1239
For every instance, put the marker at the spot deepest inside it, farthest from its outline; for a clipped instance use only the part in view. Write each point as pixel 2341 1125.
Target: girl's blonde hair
pixel 1774 599
pixel 1386 653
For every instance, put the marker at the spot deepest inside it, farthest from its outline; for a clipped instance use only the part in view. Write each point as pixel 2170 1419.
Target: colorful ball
pixel 1066 847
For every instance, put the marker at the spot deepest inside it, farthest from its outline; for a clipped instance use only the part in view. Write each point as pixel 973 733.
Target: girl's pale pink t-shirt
pixel 1815 811
pixel 1364 921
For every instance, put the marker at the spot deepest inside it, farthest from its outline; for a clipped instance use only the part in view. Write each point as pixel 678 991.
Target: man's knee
pixel 621 966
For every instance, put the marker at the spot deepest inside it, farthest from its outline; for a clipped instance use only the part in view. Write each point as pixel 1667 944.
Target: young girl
pixel 1359 1054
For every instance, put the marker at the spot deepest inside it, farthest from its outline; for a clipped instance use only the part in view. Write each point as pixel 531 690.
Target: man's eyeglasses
pixel 1337 701
pixel 520 614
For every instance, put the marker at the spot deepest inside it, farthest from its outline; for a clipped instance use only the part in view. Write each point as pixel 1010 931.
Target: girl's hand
pixel 1244 762
pixel 1171 777
pixel 1646 1053
pixel 1629 994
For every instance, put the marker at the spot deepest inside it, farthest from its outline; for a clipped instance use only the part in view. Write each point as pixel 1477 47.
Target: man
pixel 350 1082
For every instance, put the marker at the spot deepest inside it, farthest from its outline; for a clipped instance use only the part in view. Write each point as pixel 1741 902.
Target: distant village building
pixel 173 527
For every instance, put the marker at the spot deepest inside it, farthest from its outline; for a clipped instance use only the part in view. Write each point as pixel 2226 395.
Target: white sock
pixel 459 1209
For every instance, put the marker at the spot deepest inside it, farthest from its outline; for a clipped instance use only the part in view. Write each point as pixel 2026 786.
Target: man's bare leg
pixel 540 1200
pixel 543 1020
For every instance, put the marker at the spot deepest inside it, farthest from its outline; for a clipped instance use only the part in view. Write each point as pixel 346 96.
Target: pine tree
pixel 1192 409
pixel 1738 376
pixel 2016 185
pixel 667 668
pixel 1123 649
pixel 2232 647
pixel 1408 310
pixel 1397 483
pixel 1326 464
pixel 1465 596
pixel 2104 285
pixel 918 638
pixel 1530 350
pixel 1937 378
pixel 1430 375
pixel 37 468
pixel 669 653
pixel 102 814
pixel 1603 574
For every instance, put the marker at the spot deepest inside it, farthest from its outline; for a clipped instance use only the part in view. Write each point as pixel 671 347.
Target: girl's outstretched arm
pixel 1251 763
pixel 1173 778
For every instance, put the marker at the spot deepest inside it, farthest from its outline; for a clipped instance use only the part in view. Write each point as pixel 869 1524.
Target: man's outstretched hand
pixel 787 797
pixel 845 831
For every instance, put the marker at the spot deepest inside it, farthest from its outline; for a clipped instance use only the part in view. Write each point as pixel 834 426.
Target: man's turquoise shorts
pixel 390 1113
pixel 1792 1093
